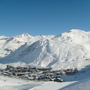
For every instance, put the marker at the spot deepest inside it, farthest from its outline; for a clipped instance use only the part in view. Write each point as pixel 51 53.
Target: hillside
pixel 67 50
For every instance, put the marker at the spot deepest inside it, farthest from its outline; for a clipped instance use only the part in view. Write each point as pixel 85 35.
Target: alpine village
pixel 38 74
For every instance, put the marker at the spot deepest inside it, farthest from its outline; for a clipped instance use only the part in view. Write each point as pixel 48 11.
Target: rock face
pixel 67 50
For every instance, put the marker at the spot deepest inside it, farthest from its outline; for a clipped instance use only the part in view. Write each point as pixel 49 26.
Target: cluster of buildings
pixel 33 73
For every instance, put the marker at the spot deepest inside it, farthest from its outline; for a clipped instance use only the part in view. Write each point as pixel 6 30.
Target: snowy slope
pixel 79 81
pixel 83 85
pixel 67 50
pixel 7 83
pixel 82 78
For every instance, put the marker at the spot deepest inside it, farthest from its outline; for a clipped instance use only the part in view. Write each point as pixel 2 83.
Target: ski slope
pixel 67 50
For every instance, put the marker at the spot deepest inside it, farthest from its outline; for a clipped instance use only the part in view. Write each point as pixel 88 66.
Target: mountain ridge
pixel 67 50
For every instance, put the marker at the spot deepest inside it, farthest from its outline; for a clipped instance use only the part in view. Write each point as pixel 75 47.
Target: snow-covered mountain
pixel 67 50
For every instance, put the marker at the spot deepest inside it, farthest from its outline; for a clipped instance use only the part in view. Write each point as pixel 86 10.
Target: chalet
pixel 70 71
pixel 45 69
pixel 10 68
pixel 58 79
pixel 6 73
pixel 59 72
pixel 19 74
pixel 42 77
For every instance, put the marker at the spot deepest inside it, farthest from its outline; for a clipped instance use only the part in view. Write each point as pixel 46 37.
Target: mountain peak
pixel 76 31
pixel 23 35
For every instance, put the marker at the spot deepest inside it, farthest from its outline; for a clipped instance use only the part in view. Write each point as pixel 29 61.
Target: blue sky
pixel 38 17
